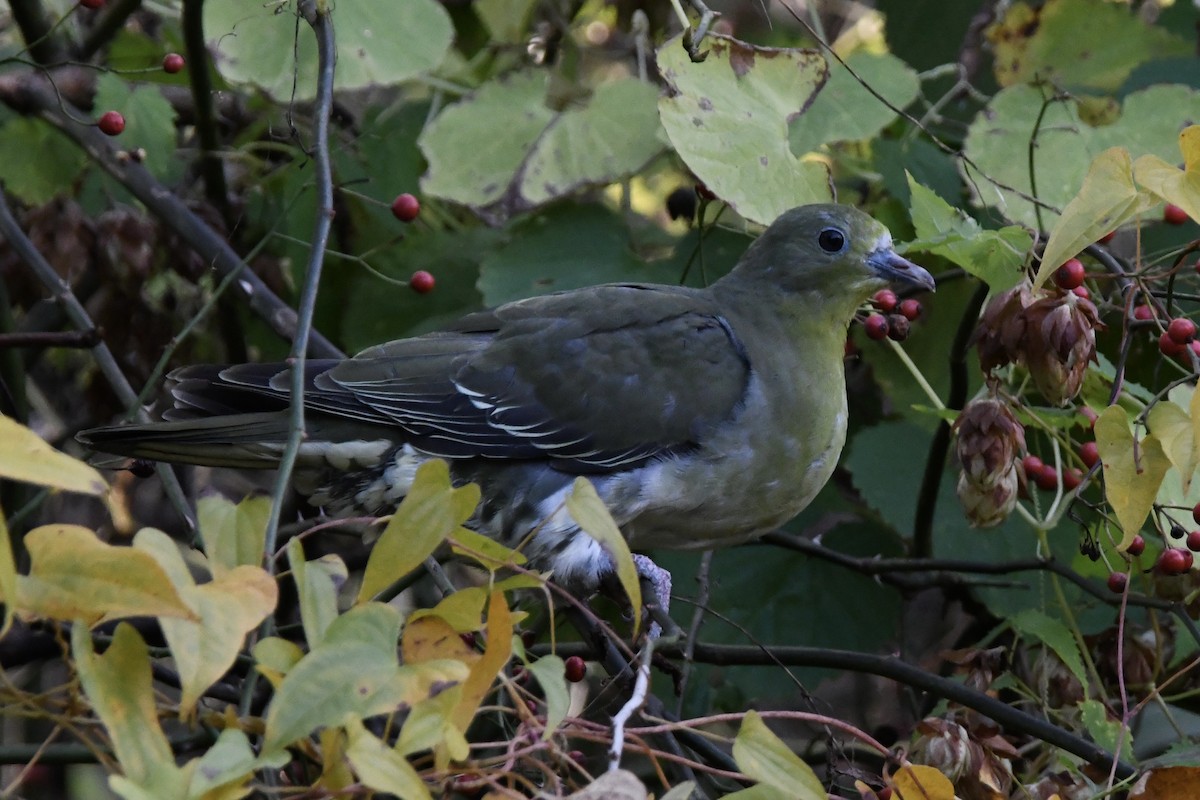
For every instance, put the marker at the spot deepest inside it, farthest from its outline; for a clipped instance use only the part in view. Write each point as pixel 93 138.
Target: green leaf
pixel 228 608
pixel 1176 423
pixel 1076 44
pixel 227 766
pixel 1106 732
pixel 380 767
pixel 432 510
pixel 593 517
pixel 266 46
pixel 25 456
pixel 317 584
pixel 274 657
pixel 1056 636
pixel 118 685
pixel 1107 200
pixel 845 110
pixel 728 119
pixel 358 673
pixel 764 757
pixel 998 142
pixel 488 553
pixel 544 154
pixel 551 671
pixel 1133 471
pixel 74 575
pixel 233 535
pixel 149 123
pixel 429 725
pixel 994 257
pixel 37 180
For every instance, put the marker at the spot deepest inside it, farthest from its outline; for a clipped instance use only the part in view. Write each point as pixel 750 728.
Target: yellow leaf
pixel 1107 199
pixel 919 782
pixel 1178 430
pixel 74 575
pixel 335 771
pixel 1178 186
pixel 586 507
pixel 495 656
pixel 274 657
pixel 24 456
pixel 488 552
pixel 118 684
pixel 432 510
pixel 233 535
pixel 1133 470
pixel 1167 783
pixel 764 757
pixel 380 767
pixel 430 638
pixel 8 575
pixel 228 608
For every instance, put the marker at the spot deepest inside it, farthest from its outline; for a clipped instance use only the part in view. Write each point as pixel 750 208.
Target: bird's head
pixel 835 251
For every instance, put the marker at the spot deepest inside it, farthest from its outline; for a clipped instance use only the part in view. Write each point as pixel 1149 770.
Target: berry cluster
pixel 893 318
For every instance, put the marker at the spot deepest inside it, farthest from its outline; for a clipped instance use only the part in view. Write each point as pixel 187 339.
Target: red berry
pixel 1197 266
pixel 1033 465
pixel 421 282
pixel 1092 416
pixel 1089 454
pixel 1070 274
pixel 528 638
pixel 111 123
pixel 1174 215
pixel 704 193
pixel 1182 330
pixel 576 669
pixel 1196 513
pixel 885 300
pixel 1143 312
pixel 1117 582
pixel 92 3
pixel 1174 561
pixel 910 308
pixel 876 327
pixel 468 639
pixel 1082 293
pixel 1193 541
pixel 1137 546
pixel 1046 478
pixel 1106 238
pixel 898 327
pixel 172 63
pixel 1169 347
pixel 1072 478
pixel 406 207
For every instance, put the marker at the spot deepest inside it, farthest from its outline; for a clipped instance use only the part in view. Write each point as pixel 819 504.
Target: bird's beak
pixel 894 267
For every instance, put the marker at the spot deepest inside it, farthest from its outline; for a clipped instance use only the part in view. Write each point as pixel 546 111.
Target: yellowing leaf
pixel 432 511
pixel 428 727
pixel 1168 783
pixel 764 757
pixel 919 782
pixel 233 535
pixel 488 552
pixel 430 638
pixel 485 670
pixel 1107 199
pixel 1178 186
pixel 274 657
pixel 1178 430
pixel 317 584
pixel 380 767
pixel 586 507
pixel 228 608
pixel 118 684
pixel 550 671
pixel 8 576
pixel 1132 471
pixel 74 575
pixel 24 456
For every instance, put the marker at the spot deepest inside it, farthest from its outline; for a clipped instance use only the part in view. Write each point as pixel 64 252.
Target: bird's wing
pixel 595 380
pixel 607 377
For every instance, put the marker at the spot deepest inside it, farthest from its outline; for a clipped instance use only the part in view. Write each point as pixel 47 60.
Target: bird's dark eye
pixel 831 240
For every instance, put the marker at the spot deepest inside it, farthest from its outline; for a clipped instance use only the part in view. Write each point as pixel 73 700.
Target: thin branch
pixel 211 169
pixel 36 95
pixel 37 30
pixel 61 291
pixel 109 25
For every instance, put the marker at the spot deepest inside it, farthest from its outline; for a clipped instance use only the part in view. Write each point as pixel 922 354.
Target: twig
pixel 109 24
pixel 211 169
pixel 641 685
pixel 61 291
pixel 75 339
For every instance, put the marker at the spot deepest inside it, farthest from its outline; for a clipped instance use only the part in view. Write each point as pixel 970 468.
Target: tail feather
pixel 246 441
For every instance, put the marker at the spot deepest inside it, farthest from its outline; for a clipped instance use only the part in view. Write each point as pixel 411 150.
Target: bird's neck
pixel 807 315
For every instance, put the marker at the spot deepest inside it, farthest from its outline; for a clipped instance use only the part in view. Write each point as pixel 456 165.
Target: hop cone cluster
pixel 1053 334
pixel 989 441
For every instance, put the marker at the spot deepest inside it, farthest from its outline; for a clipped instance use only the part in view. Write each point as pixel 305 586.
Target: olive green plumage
pixel 703 416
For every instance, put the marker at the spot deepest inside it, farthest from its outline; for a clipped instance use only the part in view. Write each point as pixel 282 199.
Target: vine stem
pixel 917 376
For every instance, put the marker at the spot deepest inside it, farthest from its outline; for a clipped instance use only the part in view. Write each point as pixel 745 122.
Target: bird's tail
pixel 246 441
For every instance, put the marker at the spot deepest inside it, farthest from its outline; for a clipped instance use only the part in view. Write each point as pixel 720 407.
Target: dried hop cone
pixel 1060 340
pixel 989 440
pixel 1001 328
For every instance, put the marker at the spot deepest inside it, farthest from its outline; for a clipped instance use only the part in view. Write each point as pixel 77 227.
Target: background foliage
pixel 561 144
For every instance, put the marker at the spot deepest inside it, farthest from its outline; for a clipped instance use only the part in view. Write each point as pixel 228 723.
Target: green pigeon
pixel 703 417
